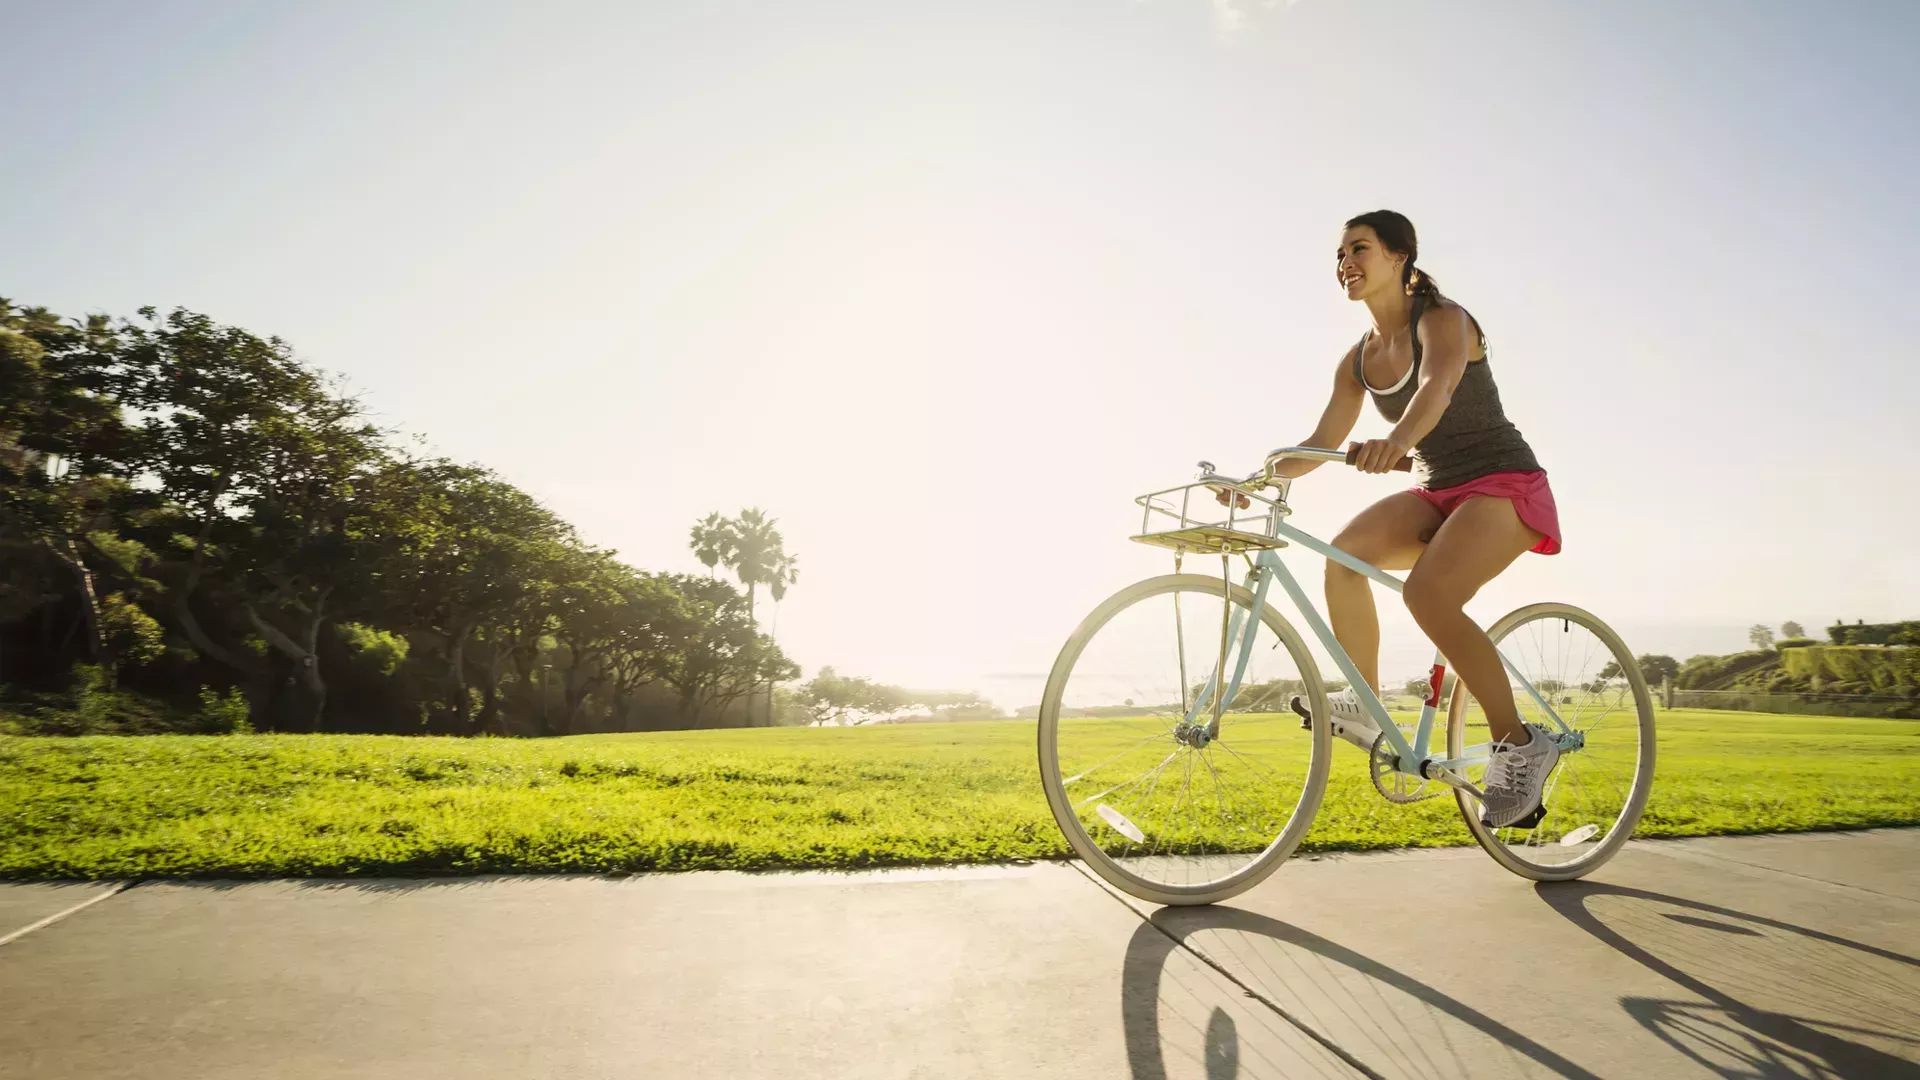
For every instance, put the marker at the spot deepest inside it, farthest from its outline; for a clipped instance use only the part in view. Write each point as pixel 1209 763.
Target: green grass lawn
pixel 222 806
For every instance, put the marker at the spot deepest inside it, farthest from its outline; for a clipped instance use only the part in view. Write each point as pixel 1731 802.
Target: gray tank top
pixel 1473 438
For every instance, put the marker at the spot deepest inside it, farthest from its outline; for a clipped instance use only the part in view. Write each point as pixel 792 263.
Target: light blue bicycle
pixel 1185 742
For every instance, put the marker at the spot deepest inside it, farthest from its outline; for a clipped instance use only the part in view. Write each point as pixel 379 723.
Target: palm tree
pixel 712 541
pixel 752 548
pixel 760 557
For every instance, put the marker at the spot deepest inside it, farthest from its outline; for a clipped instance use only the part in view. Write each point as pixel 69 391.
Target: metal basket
pixel 1185 519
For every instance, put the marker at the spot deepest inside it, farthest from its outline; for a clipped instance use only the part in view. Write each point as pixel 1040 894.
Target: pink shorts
pixel 1528 491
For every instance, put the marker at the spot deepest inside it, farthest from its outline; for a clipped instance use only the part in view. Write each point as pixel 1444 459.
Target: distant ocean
pixel 1405 659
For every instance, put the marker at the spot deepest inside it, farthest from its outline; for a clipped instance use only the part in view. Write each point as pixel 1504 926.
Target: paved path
pixel 1760 957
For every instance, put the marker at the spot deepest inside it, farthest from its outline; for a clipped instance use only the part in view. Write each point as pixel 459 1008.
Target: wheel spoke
pixel 1153 774
pixel 1213 810
pixel 1562 652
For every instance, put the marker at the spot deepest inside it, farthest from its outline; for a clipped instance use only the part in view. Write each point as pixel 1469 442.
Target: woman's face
pixel 1365 266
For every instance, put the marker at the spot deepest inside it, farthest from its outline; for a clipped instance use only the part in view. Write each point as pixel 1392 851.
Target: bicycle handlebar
pixel 1265 477
pixel 1405 464
pixel 1311 453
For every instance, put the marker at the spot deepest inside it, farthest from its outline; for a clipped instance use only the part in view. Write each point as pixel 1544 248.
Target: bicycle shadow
pixel 1363 1012
pixel 1780 1000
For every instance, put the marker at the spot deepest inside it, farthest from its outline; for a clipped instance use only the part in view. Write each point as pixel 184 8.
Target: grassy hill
pixel 1808 677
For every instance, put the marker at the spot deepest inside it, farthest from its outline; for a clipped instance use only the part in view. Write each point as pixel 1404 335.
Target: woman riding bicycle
pixel 1482 501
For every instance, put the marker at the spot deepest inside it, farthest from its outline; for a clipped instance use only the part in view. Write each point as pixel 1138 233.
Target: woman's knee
pixel 1431 595
pixel 1363 544
pixel 1338 574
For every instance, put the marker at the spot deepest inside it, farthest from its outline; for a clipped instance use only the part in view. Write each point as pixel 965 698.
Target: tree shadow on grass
pixel 1779 1000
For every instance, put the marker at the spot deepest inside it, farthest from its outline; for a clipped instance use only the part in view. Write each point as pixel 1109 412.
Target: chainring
pixel 1394 785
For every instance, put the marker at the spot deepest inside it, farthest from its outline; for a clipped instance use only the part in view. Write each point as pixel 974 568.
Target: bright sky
pixel 943 285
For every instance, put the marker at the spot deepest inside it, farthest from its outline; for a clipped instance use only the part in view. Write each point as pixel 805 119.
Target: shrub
pixel 88 707
pixel 93 702
pixel 383 650
pixel 227 715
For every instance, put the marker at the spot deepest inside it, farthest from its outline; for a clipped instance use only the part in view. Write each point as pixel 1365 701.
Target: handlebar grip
pixel 1353 454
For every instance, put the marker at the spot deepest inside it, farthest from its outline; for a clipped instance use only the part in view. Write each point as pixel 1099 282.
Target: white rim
pixel 1621 828
pixel 1261 864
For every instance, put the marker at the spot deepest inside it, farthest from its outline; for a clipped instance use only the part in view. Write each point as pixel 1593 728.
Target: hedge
pixel 1711 672
pixel 1891 708
pixel 1897 633
pixel 1876 666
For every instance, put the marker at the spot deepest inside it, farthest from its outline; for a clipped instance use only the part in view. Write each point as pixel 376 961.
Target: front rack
pixel 1171 519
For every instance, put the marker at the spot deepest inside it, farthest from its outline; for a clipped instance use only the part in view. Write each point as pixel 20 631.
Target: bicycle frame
pixel 1414 758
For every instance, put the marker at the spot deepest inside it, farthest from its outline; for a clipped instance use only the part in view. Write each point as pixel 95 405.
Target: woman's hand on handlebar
pixel 1240 500
pixel 1380 455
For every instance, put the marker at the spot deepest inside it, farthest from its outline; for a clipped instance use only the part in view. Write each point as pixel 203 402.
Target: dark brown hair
pixel 1396 233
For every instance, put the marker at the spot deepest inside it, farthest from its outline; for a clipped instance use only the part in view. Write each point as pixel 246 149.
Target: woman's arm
pixel 1336 423
pixel 1445 345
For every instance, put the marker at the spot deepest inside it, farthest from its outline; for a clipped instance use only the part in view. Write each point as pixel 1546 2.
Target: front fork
pixel 1239 628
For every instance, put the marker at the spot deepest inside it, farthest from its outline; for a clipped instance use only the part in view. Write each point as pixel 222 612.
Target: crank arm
pixel 1453 779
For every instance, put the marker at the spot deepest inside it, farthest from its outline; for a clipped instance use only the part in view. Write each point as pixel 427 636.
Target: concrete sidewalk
pixel 1753 957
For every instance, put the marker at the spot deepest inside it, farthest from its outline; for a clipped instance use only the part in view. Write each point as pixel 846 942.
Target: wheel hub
pixel 1194 735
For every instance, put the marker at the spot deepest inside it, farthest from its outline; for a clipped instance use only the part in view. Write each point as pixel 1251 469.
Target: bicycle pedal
pixel 1306 716
pixel 1527 822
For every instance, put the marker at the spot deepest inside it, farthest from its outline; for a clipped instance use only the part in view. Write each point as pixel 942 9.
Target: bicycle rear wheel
pixel 1596 793
pixel 1164 813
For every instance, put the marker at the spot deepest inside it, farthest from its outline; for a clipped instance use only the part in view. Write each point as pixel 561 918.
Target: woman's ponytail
pixel 1418 283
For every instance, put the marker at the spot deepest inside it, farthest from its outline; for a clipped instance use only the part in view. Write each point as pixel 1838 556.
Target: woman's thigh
pixel 1481 538
pixel 1390 533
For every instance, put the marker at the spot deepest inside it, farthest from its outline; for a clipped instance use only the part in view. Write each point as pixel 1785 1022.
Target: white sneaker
pixel 1516 776
pixel 1347 719
pixel 1346 709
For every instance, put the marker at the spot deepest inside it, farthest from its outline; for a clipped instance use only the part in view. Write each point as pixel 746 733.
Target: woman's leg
pixel 1386 534
pixel 1481 538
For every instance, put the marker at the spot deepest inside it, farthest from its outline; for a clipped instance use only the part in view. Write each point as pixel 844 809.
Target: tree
pixel 64 454
pixel 718 657
pixel 1760 635
pixel 1791 629
pixel 752 548
pixel 173 466
pixel 472 553
pixel 831 698
pixel 1653 667
pixel 712 540
pixel 517 631
pixel 1419 688
pixel 591 610
pixel 268 476
pixel 644 649
pixel 1657 667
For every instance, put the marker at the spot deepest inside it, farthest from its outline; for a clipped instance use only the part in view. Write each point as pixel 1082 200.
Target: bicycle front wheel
pixel 1596 793
pixel 1167 813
